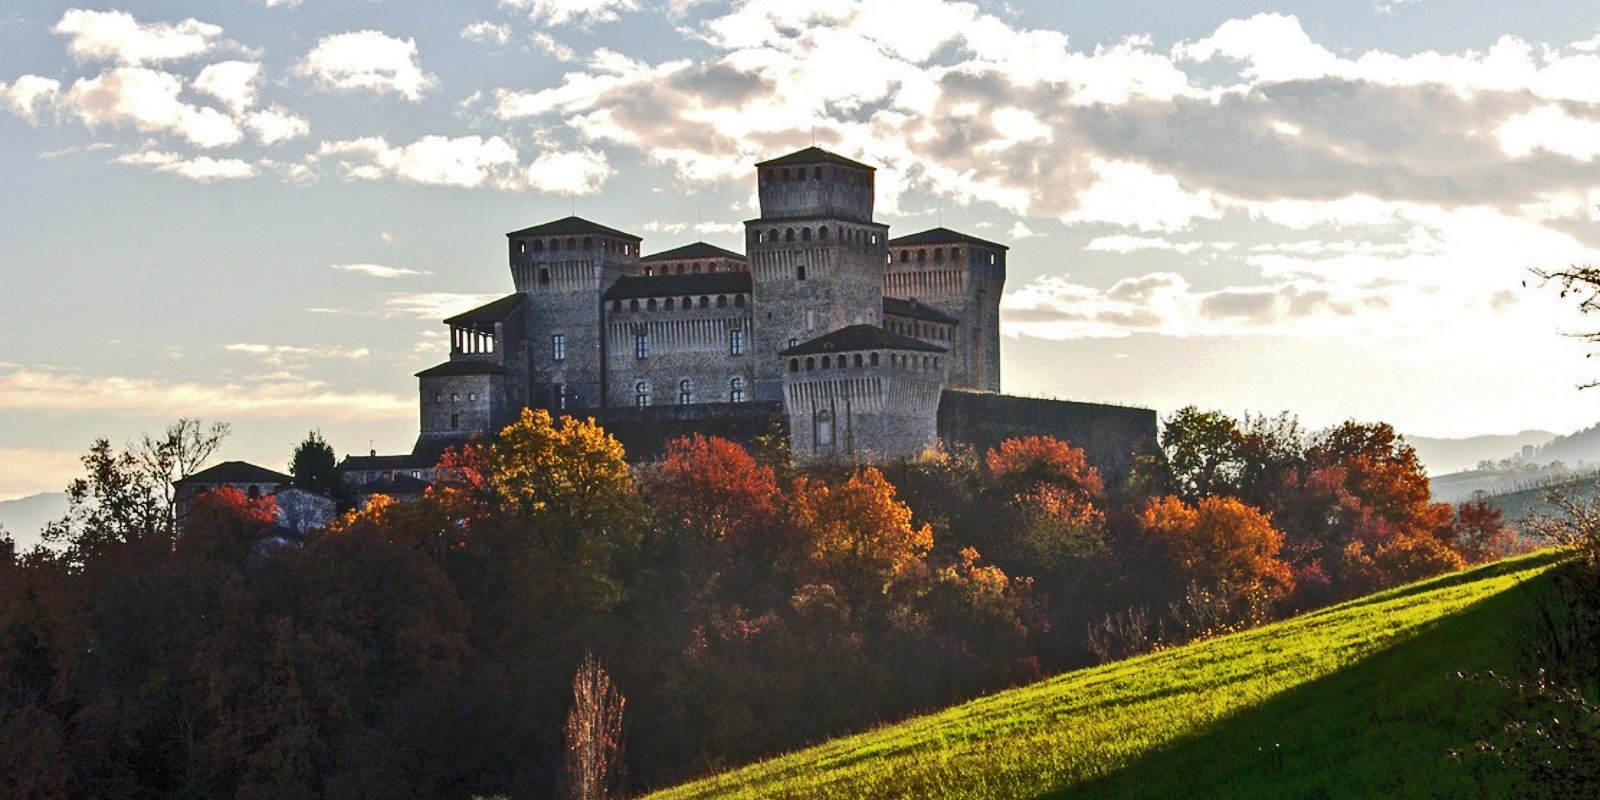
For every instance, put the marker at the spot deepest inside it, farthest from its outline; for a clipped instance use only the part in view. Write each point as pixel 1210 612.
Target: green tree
pixel 314 467
pixel 1205 451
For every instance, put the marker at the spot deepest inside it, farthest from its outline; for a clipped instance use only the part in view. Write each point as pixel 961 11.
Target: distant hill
pixel 1444 456
pixel 1358 700
pixel 1583 446
pixel 24 517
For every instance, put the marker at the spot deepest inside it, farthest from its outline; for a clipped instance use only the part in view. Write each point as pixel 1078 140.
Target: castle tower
pixel 961 276
pixel 816 256
pixel 564 266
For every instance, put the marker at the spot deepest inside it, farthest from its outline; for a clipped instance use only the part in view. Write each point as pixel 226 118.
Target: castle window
pixel 555 245
pixel 650 305
pixel 736 343
pixel 641 394
pixel 472 397
pixel 685 392
pixel 641 345
pixel 922 256
pixel 794 342
pixel 572 244
pixel 544 276
pixel 816 174
pixel 822 233
pixel 698 266
pixel 705 302
pixel 558 396
pixel 872 238
pixel 679 270
pixel 772 234
pixel 935 362
pixel 824 430
pixel 788 234
pixel 738 301
pixel 955 253
pixel 991 259
pixel 785 174
pixel 538 245
pixel 438 398
pixel 455 421
pixel 455 398
pixel 858 359
pixel 688 303
pixel 800 272
pixel 736 390
pixel 649 271
pixel 805 234
pixel 905 255
pixel 616 306
pixel 827 362
pixel 811 364
pixel 669 304
pixel 794 365
pixel 522 247
pixel 873 359
pixel 633 305
pixel 558 346
pixel 811 320
pixel 938 255
pixel 722 301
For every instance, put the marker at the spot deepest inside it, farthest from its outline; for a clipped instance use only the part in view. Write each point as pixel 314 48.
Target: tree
pixel 571 480
pixel 178 453
pixel 713 491
pixel 1205 451
pixel 1583 284
pixel 860 534
pixel 314 466
pixel 593 768
pixel 1219 542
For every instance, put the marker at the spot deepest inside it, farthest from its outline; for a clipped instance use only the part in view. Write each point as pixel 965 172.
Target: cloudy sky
pixel 257 210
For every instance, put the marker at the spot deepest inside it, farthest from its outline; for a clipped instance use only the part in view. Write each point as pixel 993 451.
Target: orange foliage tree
pixel 713 491
pixel 860 534
pixel 1221 542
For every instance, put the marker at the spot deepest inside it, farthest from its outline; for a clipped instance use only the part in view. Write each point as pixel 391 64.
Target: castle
pixel 861 346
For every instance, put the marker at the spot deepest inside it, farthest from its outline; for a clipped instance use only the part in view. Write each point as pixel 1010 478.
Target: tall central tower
pixel 816 256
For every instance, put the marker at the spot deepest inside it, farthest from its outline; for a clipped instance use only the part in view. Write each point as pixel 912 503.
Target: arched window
pixel 572 244
pixel 616 306
pixel 736 390
pixel 633 305
pixel 650 305
pixel 722 301
pixel 772 234
pixel 698 266
pixel 785 174
pixel 805 234
pixel 688 303
pixel 641 394
pixel 738 301
pixel 538 245
pixel 685 392
pixel 827 362
pixel 669 304
pixel 955 254
pixel 873 359
pixel 938 255
pixel 824 429
pixel 858 359
pixel 544 276
pixel 794 365
pixel 555 245
pixel 905 255
pixel 816 174
pixel 679 270
pixel 811 364
pixel 522 247
pixel 788 234
pixel 705 302
pixel 822 233
pixel 922 256
pixel 800 272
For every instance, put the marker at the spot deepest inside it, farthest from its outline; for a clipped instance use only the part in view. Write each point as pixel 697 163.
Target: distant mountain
pixel 1583 446
pixel 1443 456
pixel 25 517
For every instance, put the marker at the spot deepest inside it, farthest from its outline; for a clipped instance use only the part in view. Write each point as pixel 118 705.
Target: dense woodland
pixel 742 607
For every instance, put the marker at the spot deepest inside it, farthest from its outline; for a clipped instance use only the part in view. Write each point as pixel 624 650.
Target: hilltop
pixel 1360 699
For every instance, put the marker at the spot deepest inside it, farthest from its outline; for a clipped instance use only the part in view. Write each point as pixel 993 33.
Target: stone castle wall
pixel 1111 436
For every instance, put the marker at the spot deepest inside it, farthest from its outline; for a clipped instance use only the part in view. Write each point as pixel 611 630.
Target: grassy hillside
pixel 1357 700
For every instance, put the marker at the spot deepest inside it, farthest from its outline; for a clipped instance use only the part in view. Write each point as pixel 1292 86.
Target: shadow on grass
pixel 1495 570
pixel 1382 727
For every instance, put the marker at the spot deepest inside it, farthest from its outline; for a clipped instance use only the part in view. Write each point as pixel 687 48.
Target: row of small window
pixel 921 330
pixel 455 397
pixel 847 235
pixel 679 269
pixel 554 245
pixel 786 175
pixel 641 344
pixel 641 392
pixel 685 304
pixel 922 255
pixel 895 360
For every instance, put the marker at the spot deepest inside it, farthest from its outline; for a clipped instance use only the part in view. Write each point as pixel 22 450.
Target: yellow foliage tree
pixel 860 533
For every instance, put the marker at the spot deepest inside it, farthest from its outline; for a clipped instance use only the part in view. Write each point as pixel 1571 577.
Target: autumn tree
pixel 180 451
pixel 1219 542
pixel 1204 451
pixel 713 491
pixel 593 767
pixel 860 535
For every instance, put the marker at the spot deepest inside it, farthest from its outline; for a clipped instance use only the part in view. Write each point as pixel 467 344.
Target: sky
pixel 257 211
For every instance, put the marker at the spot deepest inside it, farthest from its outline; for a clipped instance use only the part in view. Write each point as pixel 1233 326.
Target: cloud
pixel 232 82
pixel 434 306
pixel 28 94
pixel 148 101
pixel 1123 244
pixel 118 36
pixel 367 60
pixel 1132 195
pixel 25 388
pixel 26 471
pixel 467 161
pixel 557 50
pixel 281 354
pixel 579 172
pixel 379 271
pixel 280 3
pixel 572 12
pixel 276 124
pixel 203 169
pixel 486 31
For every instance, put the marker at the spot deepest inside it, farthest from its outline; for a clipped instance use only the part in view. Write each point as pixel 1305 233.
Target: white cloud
pixel 280 3
pixel 1021 231
pixel 580 172
pixel 148 100
pixel 28 94
pixel 58 391
pixel 1552 130
pixel 570 12
pixel 1123 244
pixel 276 124
pixel 203 169
pixel 367 60
pixel 467 161
pixel 379 271
pixel 486 31
pixel 557 50
pixel 232 82
pixel 1130 194
pixel 118 36
pixel 434 306
pixel 280 354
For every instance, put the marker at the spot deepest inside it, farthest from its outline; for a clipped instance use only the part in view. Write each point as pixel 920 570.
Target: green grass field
pixel 1358 700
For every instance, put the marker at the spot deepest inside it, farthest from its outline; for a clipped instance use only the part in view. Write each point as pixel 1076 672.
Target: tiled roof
pixel 237 472
pixel 696 250
pixel 813 155
pixel 574 226
pixel 679 285
pixel 894 306
pixel 491 312
pixel 943 236
pixel 384 463
pixel 463 367
pixel 859 337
